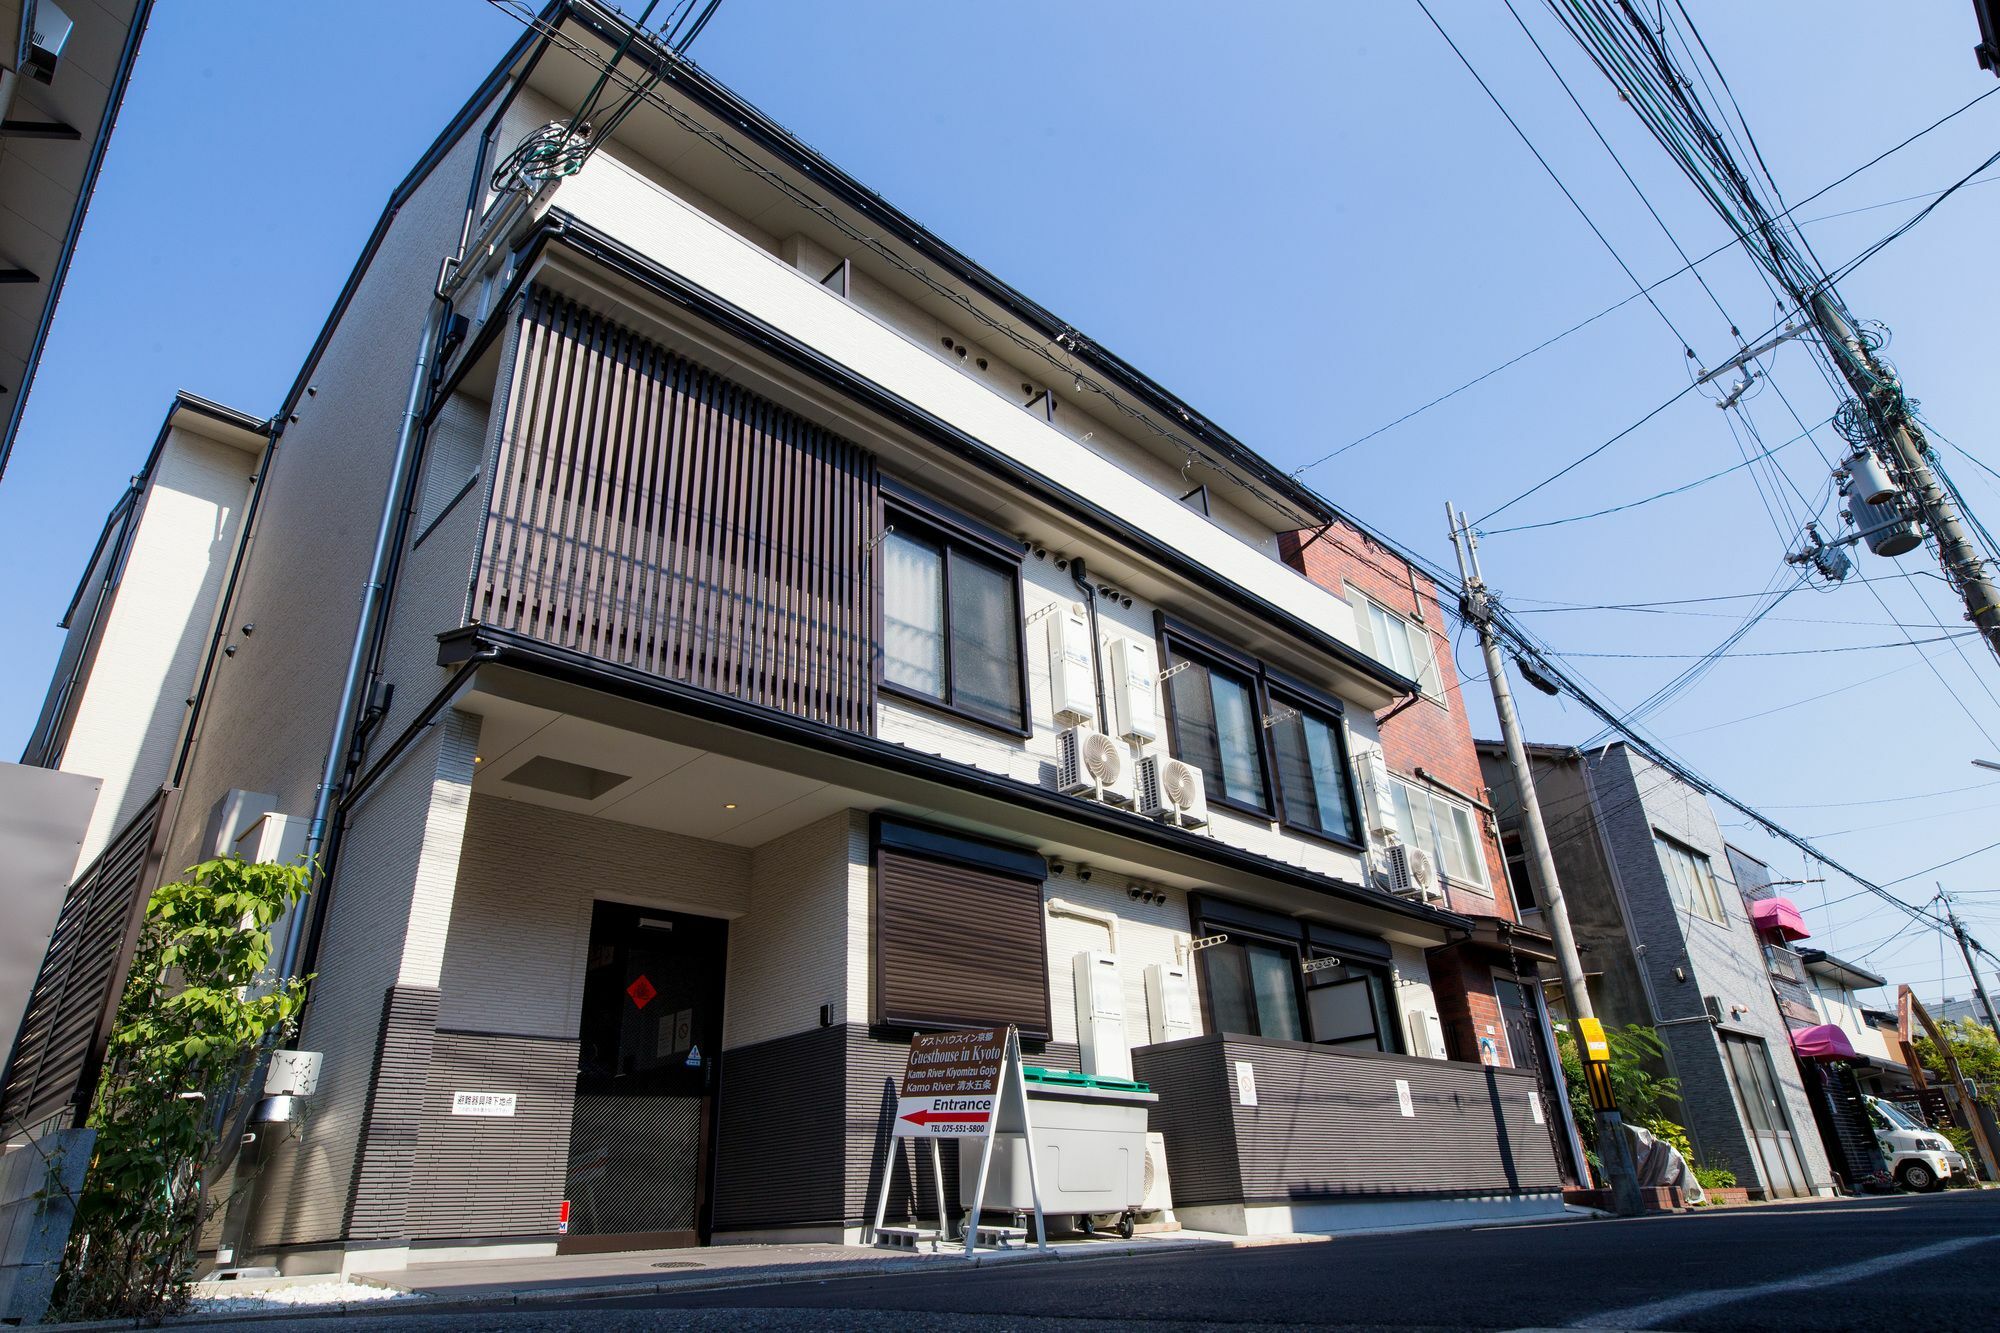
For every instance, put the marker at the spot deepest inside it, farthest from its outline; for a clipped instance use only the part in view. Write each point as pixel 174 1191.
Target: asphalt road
pixel 1920 1263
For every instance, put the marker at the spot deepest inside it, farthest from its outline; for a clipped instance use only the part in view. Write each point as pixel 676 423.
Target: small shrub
pixel 197 1007
pixel 1711 1177
pixel 1673 1135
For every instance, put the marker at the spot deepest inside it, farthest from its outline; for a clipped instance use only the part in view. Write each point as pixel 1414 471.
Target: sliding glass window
pixel 951 625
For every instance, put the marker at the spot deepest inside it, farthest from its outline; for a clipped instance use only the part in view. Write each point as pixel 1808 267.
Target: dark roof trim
pixel 511 649
pixel 1811 956
pixel 573 234
pixel 114 98
pixel 467 116
pixel 744 119
pixel 214 411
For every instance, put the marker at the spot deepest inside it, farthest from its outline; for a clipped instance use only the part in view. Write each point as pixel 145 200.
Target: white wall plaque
pixel 1246 1083
pixel 482 1103
pixel 1403 1097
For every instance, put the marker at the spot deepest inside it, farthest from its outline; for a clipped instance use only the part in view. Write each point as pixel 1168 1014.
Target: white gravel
pixel 301 1296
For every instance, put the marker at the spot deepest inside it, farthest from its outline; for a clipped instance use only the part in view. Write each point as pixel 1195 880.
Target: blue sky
pixel 1305 218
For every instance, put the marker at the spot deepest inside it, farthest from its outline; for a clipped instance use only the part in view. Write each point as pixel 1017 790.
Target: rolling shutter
pixel 959 933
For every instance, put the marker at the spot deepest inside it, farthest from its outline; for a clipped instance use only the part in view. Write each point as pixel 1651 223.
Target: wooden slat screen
pixel 650 513
pixel 956 946
pixel 59 1051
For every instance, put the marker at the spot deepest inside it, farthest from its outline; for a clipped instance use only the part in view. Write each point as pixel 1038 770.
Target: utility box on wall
pixel 1100 1016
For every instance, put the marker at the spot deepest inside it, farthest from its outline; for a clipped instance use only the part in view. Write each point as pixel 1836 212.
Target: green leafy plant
pixel 1978 1052
pixel 1673 1135
pixel 1643 1093
pixel 197 1007
pixel 1711 1177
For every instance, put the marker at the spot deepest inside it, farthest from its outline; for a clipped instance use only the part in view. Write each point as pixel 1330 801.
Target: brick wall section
pixel 1428 735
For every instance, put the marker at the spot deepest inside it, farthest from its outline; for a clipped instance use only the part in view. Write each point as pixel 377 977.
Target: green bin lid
pixel 1069 1078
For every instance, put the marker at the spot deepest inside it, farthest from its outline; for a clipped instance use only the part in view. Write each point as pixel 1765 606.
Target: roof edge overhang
pixel 1374 683
pixel 508 649
pixel 691 81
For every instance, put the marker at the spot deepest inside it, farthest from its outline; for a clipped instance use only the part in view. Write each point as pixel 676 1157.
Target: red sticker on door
pixel 642 992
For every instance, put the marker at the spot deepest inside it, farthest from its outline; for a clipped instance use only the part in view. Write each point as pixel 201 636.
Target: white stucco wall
pixel 128 721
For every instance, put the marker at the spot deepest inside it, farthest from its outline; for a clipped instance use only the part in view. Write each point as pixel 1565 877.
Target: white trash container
pixel 1090 1149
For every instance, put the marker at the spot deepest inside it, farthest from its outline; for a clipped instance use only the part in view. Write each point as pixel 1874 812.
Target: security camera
pixel 1083 874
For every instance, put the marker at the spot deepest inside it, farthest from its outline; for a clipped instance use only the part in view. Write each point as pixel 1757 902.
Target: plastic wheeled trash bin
pixel 1090 1149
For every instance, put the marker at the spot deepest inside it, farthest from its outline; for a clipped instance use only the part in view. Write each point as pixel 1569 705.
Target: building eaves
pixel 691 80
pixel 507 648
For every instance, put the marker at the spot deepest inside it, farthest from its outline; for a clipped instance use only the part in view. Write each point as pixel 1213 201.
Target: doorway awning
pixel 1824 1041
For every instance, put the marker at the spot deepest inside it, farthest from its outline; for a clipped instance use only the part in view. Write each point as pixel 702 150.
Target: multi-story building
pixel 1432 795
pixel 1666 942
pixel 1840 1053
pixel 790 637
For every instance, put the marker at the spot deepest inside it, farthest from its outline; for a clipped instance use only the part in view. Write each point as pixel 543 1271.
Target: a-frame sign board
pixel 961 1085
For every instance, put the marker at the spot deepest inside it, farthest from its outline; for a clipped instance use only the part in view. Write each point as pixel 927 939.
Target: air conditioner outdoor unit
pixel 1090 763
pixel 1412 873
pixel 1159 1192
pixel 1171 789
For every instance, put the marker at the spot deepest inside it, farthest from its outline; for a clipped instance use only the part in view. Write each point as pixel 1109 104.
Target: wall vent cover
pixel 562 778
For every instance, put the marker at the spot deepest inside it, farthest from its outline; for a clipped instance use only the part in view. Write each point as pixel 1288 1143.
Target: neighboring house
pixel 1840 1055
pixel 1488 987
pixel 754 559
pixel 142 622
pixel 1665 941
pixel 62 75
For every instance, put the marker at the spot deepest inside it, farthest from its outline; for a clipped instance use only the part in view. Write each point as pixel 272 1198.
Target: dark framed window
pixel 951 621
pixel 1315 780
pixel 1244 725
pixel 1216 716
pixel 1348 1004
pixel 1252 989
pixel 1257 983
pixel 1522 887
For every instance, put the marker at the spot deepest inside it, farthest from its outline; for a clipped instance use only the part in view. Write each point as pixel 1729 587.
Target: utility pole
pixel 1878 390
pixel 1965 946
pixel 1612 1149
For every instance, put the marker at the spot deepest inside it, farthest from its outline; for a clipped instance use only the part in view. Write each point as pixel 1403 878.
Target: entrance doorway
pixel 1522 1016
pixel 1762 1105
pixel 641 1145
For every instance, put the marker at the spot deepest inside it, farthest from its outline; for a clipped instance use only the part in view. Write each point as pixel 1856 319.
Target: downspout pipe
pixel 359 653
pixel 1081 576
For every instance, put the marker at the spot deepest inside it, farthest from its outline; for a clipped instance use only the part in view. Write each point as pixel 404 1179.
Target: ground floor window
pixel 1291 981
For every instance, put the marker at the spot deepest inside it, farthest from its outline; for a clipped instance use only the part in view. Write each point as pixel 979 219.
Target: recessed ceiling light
pixel 729 805
pixel 478 759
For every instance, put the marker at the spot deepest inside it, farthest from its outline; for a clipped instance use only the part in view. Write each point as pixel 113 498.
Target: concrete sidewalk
pixel 642 1272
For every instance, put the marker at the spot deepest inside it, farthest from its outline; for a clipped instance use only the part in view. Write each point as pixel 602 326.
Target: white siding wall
pixel 1034 760
pixel 792 953
pixel 622 200
pixel 128 722
pixel 1147 933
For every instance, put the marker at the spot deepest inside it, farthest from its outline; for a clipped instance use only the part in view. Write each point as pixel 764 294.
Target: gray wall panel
pixel 493 1175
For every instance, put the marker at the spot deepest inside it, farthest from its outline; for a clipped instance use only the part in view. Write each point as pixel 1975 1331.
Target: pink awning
pixel 1825 1042
pixel 1781 915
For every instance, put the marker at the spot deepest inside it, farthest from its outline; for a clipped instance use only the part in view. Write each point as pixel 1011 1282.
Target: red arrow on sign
pixel 945 1118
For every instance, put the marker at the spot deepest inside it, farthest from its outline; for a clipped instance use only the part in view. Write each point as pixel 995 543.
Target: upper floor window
pixel 1311 750
pixel 1218 729
pixel 1691 880
pixel 1515 853
pixel 1403 644
pixel 1264 745
pixel 1447 829
pixel 951 623
pixel 1256 985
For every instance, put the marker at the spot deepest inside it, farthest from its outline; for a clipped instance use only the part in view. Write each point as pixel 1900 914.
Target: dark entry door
pixel 1520 1013
pixel 641 1143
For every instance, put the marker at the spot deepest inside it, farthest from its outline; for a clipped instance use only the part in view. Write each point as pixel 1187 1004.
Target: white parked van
pixel 1918 1157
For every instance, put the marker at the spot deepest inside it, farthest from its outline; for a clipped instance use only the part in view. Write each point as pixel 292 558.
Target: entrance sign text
pixel 950 1084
